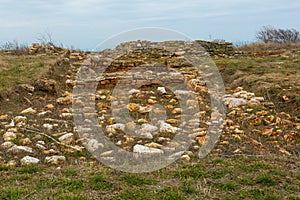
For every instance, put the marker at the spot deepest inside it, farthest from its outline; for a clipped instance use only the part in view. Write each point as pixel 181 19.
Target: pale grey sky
pixel 85 23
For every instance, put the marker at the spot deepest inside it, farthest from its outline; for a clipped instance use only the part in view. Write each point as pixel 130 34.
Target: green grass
pixel 29 169
pixel 101 183
pixel 72 198
pixel 266 180
pixel 254 167
pixel 265 77
pixel 136 180
pixel 70 172
pixel 258 194
pixel 11 193
pixel 16 70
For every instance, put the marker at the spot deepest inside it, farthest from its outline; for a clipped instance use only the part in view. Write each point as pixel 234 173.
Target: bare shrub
pixel 15 48
pixel 269 34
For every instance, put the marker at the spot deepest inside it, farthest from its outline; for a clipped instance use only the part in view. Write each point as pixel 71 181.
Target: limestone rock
pixel 19 119
pixel 162 90
pixel 93 145
pixel 235 102
pixel 41 147
pixel 151 101
pixel 11 163
pixel 66 115
pixel 112 129
pixel 143 149
pixel 132 107
pixel 55 160
pixel 20 149
pixel 25 142
pixel 133 91
pixel 28 160
pixel 131 126
pixel 48 126
pixel 8 136
pixel 177 111
pixel 49 106
pixel 145 109
pixel 64 100
pixel 27 87
pixel 167 128
pixel 185 158
pixel 10 125
pixel 67 138
pixel 154 145
pixel 29 111
pixel 3 117
pixel 7 145
pixel 147 130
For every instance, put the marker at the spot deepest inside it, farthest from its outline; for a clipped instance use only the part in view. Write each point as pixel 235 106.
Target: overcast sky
pixel 85 23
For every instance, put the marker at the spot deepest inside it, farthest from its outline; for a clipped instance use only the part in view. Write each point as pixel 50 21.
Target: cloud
pixel 105 17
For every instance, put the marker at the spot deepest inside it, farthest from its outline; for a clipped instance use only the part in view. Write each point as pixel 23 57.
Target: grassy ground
pixel 212 178
pixel 16 70
pixel 272 77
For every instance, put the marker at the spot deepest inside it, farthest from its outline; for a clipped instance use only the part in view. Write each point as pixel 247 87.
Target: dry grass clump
pixel 261 47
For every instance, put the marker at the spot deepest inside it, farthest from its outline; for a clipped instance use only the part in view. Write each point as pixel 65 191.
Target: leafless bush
pixel 269 34
pixel 45 38
pixel 15 48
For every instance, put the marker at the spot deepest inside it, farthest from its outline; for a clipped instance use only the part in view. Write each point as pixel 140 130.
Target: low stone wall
pixel 217 48
pixel 213 48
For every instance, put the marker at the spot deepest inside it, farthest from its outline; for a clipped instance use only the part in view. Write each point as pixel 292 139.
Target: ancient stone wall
pixel 213 48
pixel 217 48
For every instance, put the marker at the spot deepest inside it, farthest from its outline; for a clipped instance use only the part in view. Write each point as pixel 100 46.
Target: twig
pixel 28 195
pixel 28 101
pixel 268 95
pixel 51 138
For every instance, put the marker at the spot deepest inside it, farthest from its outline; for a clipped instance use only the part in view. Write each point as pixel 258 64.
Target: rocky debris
pixel 20 149
pixel 11 163
pixel 241 97
pixel 55 160
pixel 145 109
pixel 146 131
pixel 19 119
pixel 113 129
pixel 162 90
pixel 8 136
pixel 48 126
pixel 25 142
pixel 46 85
pixel 67 138
pixel 28 111
pixel 234 102
pixel 50 106
pixel 185 158
pixel 167 128
pixel 92 145
pixel 28 160
pixel 132 107
pixel 66 100
pixel 7 145
pixel 27 87
pixel 251 124
pixel 143 149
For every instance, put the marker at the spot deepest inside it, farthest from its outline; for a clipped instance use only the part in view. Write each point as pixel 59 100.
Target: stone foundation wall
pixel 217 48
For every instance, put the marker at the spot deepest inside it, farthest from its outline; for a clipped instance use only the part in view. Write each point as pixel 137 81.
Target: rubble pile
pixel 45 133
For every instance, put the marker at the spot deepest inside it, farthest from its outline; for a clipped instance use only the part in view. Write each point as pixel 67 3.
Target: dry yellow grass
pixel 16 70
